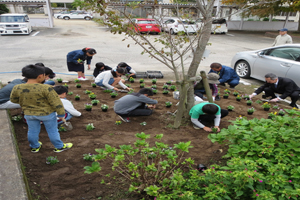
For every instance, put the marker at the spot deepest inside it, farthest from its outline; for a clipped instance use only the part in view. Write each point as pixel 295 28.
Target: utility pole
pixel 49 10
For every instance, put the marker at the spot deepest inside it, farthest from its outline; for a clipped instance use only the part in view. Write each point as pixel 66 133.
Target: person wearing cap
pixel 75 61
pixel 282 38
pixel 129 71
pixel 100 67
pixel 135 104
pixel 205 113
pixel 226 74
pixel 212 79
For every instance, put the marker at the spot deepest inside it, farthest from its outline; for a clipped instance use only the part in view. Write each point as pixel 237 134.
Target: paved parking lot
pixel 50 46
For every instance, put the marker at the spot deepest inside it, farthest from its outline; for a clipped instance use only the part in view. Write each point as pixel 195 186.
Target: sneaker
pixel 218 98
pixel 293 105
pixel 65 147
pixel 231 86
pixel 196 127
pixel 124 119
pixel 82 79
pixel 223 84
pixel 35 150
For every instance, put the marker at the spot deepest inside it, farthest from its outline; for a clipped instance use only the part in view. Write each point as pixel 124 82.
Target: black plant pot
pixel 153 82
pixel 141 81
pixel 168 106
pixel 92 98
pixel 113 96
pixel 225 97
pixel 88 109
pixel 238 100
pixel 59 81
pixel 94 104
pixel 77 99
pixel 229 109
pixel 250 113
pixel 269 117
pixel 104 110
pixel 168 83
pixel 280 114
pixel 165 93
pixel 246 99
pixel 94 86
pixel 235 95
pixel 249 104
pixel 266 109
pixel 141 86
pixel 78 86
pixel 173 89
pixel 131 81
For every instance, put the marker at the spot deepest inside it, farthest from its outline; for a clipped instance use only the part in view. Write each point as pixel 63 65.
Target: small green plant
pixel 88 106
pixel 118 122
pixel 143 123
pixel 62 128
pixel 51 160
pixel 235 93
pixel 79 60
pixel 258 101
pixel 266 105
pixel 131 79
pixel 76 80
pixel 214 129
pixel 128 85
pixel 281 112
pixel 225 94
pixel 113 94
pixel 165 87
pixel 154 81
pixel 95 101
pixel 154 86
pixel 230 107
pixel 59 79
pixel 16 118
pixel 168 103
pixel 66 85
pixel 142 85
pixel 238 97
pixel 131 91
pixel 88 157
pixel 165 92
pixel 227 91
pixel 169 82
pixel 90 127
pixel 251 110
pixel 70 93
pixel 154 91
pixel 104 106
pixel 249 102
pixel 107 91
pixel 93 85
pixel 92 95
pixel 77 96
pixel 78 85
pixel 275 107
pixel 173 87
pixel 246 97
pixel 272 114
pixel 142 80
pixel 87 92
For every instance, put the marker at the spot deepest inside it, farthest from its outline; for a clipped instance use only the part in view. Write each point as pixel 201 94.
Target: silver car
pixel 283 60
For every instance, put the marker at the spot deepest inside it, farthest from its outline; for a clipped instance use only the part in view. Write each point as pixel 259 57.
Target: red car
pixel 146 25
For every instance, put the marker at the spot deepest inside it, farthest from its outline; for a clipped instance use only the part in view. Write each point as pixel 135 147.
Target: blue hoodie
pixel 73 56
pixel 226 74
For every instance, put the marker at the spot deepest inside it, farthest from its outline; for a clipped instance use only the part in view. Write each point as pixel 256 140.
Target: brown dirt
pixel 67 181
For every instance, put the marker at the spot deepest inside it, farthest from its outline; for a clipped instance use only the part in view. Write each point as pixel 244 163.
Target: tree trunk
pixel 206 87
pixel 181 109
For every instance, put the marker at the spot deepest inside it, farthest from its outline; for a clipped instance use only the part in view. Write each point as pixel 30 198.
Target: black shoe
pixel 223 84
pixel 231 86
pixel 218 98
pixel 293 105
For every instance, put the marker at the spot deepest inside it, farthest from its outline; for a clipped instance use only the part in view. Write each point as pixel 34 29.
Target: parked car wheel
pixel 172 32
pixel 87 18
pixel 242 68
pixel 66 18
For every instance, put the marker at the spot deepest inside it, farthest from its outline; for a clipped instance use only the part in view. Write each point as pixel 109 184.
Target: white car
pixel 175 25
pixel 15 24
pixel 57 15
pixel 283 60
pixel 218 25
pixel 76 15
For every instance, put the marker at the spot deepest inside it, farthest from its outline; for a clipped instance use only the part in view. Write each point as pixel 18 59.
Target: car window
pixel 146 22
pixel 182 22
pixel 290 53
pixel 219 21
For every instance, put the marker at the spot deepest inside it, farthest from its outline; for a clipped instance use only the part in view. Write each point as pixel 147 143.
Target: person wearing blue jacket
pixel 227 74
pixel 75 61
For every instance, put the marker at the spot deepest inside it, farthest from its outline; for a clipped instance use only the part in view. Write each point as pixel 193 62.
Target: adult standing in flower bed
pixel 75 61
pixel 129 71
pixel 134 104
pixel 227 74
pixel 205 113
pixel 284 86
pixel 212 79
pixel 109 79
pixel 99 68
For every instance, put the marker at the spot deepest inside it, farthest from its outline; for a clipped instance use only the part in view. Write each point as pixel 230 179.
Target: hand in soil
pixel 207 129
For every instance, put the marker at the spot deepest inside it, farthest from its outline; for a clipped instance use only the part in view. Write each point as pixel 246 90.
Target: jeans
pixel 233 82
pixel 49 82
pixel 199 93
pixel 100 83
pixel 34 128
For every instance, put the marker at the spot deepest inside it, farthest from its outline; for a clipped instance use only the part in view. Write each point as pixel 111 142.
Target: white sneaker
pixel 82 79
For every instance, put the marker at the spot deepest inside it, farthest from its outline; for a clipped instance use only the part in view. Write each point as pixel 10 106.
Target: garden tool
pixel 68 125
pixel 123 91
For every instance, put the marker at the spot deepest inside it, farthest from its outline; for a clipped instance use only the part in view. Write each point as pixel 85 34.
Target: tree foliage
pixel 3 9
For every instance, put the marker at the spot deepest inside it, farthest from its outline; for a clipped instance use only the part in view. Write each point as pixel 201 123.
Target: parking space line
pixel 35 34
pixel 230 35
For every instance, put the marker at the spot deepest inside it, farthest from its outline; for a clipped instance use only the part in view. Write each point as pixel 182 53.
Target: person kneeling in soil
pixel 69 108
pixel 109 79
pixel 205 113
pixel 99 68
pixel 40 103
pixel 134 104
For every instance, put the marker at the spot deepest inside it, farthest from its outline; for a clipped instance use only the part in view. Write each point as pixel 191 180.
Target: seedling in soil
pixel 118 122
pixel 51 160
pixel 16 118
pixel 90 127
pixel 88 157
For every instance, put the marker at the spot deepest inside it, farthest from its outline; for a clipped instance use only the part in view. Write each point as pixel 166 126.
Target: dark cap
pixel 283 29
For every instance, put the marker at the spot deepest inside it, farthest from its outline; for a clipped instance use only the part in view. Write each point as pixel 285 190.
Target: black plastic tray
pixel 155 74
pixel 141 74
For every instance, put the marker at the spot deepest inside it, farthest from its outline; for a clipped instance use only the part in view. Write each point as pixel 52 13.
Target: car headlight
pixel 23 25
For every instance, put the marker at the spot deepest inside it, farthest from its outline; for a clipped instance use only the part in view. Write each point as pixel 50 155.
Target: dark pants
pixel 139 111
pixel 270 92
pixel 199 93
pixel 208 119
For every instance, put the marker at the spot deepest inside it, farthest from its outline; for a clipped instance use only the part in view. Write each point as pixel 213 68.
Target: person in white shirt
pixel 129 71
pixel 109 79
pixel 282 38
pixel 68 106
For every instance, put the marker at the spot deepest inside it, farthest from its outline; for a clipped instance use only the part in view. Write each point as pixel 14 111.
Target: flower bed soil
pixel 66 180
